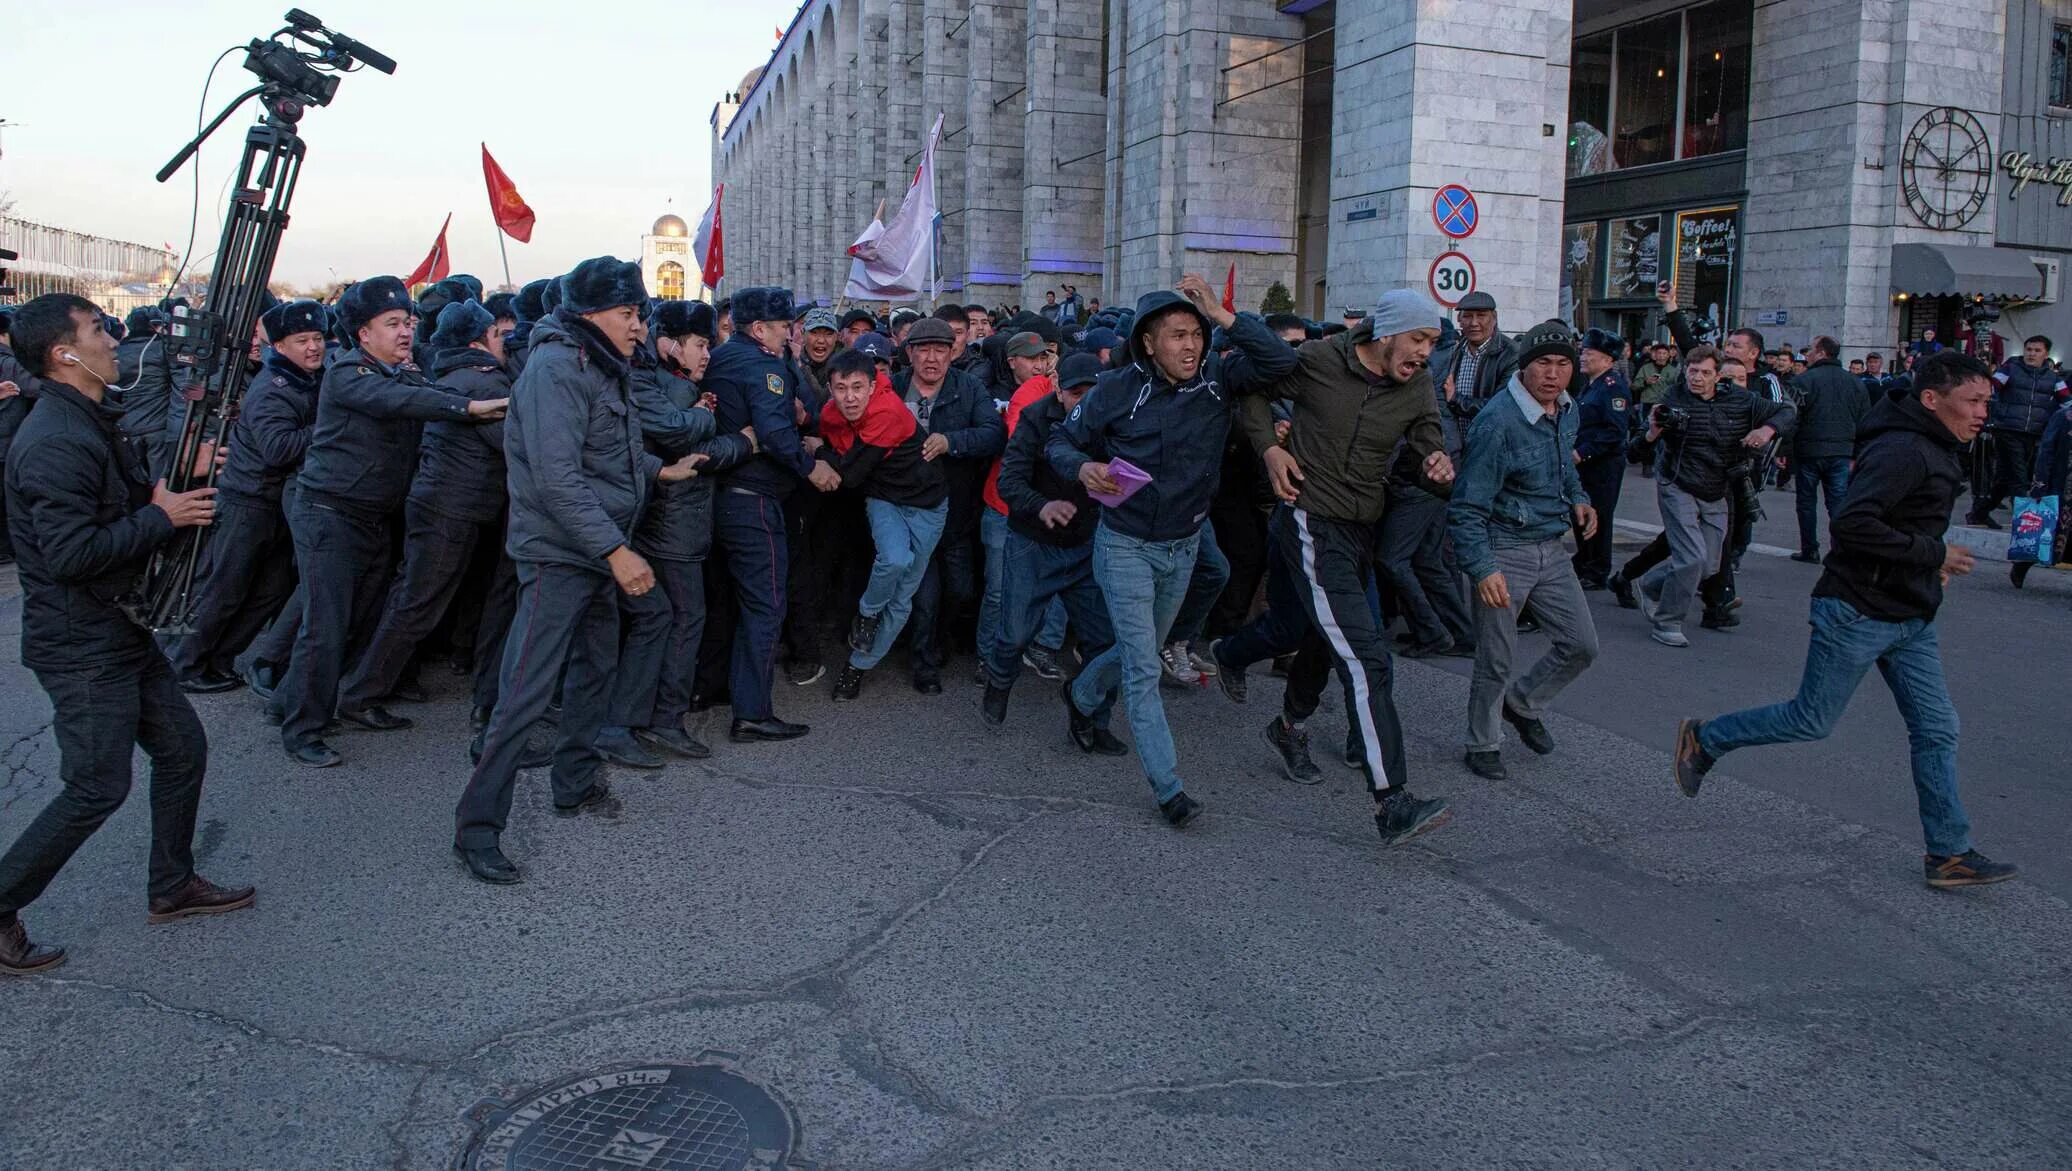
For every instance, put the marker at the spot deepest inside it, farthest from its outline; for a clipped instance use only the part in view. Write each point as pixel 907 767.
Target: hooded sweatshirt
pixel 1888 538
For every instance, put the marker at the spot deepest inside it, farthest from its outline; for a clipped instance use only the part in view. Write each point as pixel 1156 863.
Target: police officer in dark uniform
pixel 1603 420
pixel 370 409
pixel 756 388
pixel 456 502
pixel 247 569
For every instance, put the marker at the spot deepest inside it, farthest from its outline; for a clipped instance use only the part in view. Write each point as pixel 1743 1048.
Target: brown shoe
pixel 199 896
pixel 19 957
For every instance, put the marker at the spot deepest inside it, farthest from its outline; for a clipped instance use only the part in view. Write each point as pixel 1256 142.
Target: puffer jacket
pixel 577 472
pixel 460 466
pixel 80 517
pixel 1697 457
pixel 677 525
pixel 2024 397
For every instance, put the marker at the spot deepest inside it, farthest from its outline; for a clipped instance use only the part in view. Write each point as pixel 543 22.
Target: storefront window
pixel 1578 270
pixel 2061 65
pixel 1633 258
pixel 1590 107
pixel 1716 81
pixel 1644 124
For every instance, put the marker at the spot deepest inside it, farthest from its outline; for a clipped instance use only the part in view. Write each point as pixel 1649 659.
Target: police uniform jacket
pixel 755 388
pixel 460 466
pixel 369 419
pixel 272 431
pixel 578 474
pixel 1603 418
pixel 80 517
pixel 677 525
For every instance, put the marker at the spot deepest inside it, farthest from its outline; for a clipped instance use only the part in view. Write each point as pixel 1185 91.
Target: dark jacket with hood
pixel 578 472
pixel 80 516
pixel 271 435
pixel 2024 397
pixel 142 368
pixel 677 525
pixel 755 388
pixel 1831 403
pixel 460 466
pixel 966 414
pixel 1174 433
pixel 370 417
pixel 1028 481
pixel 1888 537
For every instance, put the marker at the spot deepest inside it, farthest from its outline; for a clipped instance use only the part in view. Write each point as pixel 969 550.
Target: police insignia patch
pixel 775 383
pixel 363 370
pixel 1618 404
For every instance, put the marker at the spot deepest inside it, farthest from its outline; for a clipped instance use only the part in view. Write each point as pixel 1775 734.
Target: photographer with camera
pixel 1705 437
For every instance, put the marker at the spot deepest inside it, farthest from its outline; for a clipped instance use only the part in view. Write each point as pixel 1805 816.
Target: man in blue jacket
pixel 753 387
pixel 578 478
pixel 1167 414
pixel 2026 392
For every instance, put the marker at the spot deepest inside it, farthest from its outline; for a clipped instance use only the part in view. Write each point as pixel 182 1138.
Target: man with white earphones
pixel 84 518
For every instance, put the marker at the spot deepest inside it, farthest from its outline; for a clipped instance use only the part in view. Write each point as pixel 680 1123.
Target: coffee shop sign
pixel 2022 167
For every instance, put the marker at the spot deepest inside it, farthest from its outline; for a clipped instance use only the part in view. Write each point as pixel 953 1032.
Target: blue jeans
pixel 1144 582
pixel 1211 572
pixel 1041 579
pixel 1845 644
pixel 992 533
pixel 1812 477
pixel 906 539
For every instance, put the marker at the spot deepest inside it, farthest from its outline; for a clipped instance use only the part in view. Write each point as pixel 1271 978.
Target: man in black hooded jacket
pixel 1877 604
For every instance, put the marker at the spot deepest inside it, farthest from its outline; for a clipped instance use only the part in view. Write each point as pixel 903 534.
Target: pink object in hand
pixel 1127 474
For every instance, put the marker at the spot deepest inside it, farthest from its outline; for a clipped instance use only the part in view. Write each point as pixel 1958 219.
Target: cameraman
pixel 1705 436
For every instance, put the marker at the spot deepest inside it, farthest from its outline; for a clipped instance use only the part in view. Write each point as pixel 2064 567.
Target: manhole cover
pixel 657 1117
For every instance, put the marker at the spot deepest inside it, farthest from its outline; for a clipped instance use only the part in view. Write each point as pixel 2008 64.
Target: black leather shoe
pixel 1805 558
pixel 618 746
pixel 375 718
pixel 18 956
pixel 1623 591
pixel 408 691
pixel 752 731
pixel 488 864
pixel 598 800
pixel 992 706
pixel 705 703
pixel 928 684
pixel 674 741
pixel 315 754
pixel 209 682
pixel 478 717
pixel 1180 809
pixel 1487 765
pixel 1532 732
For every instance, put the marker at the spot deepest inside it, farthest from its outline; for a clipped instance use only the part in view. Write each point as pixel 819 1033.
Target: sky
pixel 600 114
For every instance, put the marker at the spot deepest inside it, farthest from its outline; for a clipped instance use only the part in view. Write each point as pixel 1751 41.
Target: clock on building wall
pixel 1946 167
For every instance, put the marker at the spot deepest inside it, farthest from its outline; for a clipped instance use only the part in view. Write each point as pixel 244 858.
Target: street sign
pixel 1773 317
pixel 1455 211
pixel 1452 277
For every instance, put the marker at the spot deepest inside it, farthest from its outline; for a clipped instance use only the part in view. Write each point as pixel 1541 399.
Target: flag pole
pixel 505 251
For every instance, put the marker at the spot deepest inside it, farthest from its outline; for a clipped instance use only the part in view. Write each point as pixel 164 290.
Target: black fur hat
pixel 600 283
pixel 762 303
pixel 528 303
pixel 550 297
pixel 460 324
pixel 469 281
pixel 683 318
pixel 143 319
pixel 292 317
pixel 368 300
pixel 1604 343
pixel 499 305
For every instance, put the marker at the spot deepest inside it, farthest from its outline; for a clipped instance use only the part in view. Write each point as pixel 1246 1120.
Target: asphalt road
pixel 945 948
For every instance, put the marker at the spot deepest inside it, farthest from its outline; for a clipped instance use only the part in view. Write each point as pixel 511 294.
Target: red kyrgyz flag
pixel 708 243
pixel 511 212
pixel 1230 289
pixel 436 266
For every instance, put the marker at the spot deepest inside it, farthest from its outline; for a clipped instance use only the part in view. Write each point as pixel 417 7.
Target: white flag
pixel 891 261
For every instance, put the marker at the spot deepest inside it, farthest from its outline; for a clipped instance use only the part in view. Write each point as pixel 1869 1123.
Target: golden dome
pixel 670 225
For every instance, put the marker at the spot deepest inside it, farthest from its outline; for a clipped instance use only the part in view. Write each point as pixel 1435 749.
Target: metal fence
pixel 118 275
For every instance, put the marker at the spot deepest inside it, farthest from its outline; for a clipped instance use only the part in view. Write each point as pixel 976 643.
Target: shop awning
pixel 1928 270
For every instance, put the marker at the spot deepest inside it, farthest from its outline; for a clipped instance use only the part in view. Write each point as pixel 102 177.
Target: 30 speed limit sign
pixel 1452 277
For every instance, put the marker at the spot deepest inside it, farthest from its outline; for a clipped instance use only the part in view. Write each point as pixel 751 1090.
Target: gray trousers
pixel 1697 531
pixel 1545 575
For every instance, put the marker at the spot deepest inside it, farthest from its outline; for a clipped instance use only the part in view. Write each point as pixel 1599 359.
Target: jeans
pixel 905 538
pixel 948 583
pixel 1144 583
pixel 99 716
pixel 1040 580
pixel 1908 654
pixel 1811 477
pixel 1544 576
pixel 992 534
pixel 1697 531
pixel 1211 573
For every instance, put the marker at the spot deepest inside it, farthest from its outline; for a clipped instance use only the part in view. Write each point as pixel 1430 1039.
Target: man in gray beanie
pixel 1356 394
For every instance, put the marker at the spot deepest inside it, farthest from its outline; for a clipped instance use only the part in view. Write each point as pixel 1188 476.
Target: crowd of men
pixel 613 512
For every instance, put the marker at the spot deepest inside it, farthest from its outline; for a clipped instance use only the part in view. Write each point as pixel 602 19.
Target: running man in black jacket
pixel 1877 603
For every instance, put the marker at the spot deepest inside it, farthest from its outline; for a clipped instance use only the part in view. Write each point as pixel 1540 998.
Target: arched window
pixel 669 281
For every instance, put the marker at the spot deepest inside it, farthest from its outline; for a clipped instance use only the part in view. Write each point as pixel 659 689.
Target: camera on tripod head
pixel 291 75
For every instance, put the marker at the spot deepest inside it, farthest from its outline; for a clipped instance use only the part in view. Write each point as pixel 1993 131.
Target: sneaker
pixel 1203 665
pixel 1807 558
pixel 1532 733
pixel 1087 736
pixel 1179 809
pixel 1970 868
pixel 803 674
pixel 1692 761
pixel 1622 590
pixel 992 707
pixel 1229 678
pixel 1173 665
pixel 863 632
pixel 1043 661
pixel 848 684
pixel 1402 816
pixel 1293 747
pixel 1354 758
pixel 1669 637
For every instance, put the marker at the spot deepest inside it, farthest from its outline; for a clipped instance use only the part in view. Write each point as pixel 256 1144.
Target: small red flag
pixel 1230 289
pixel 511 212
pixel 709 242
pixel 435 266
